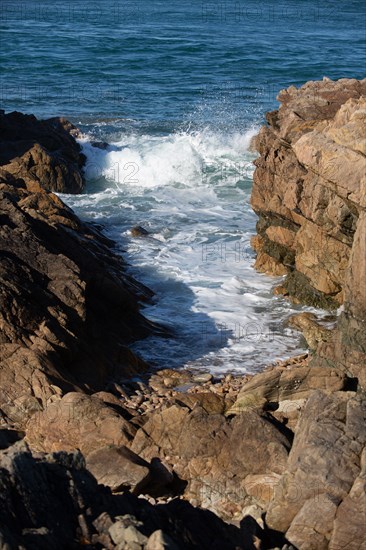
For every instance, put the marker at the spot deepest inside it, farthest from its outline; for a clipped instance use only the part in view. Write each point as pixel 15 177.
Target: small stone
pixel 132 535
pixel 202 378
pixel 139 231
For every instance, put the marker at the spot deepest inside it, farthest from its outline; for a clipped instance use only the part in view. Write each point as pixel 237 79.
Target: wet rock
pixel 139 231
pixel 100 144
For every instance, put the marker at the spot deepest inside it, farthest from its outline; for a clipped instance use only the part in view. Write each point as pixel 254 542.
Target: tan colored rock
pixel 281 235
pixel 78 421
pixel 324 462
pixel 213 454
pixel 321 258
pixel 266 264
pixel 310 181
pixel 355 289
pixel 210 402
pixel 261 487
pixel 118 468
pixel 343 168
pixel 297 382
pixel 313 332
pixel 311 528
pixel 159 540
pixel 349 529
pixel 348 126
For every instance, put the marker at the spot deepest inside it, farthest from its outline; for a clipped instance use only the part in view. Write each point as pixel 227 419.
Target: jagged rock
pixel 313 332
pixel 68 310
pixel 139 231
pixel 309 187
pixel 281 384
pixel 210 402
pixel 52 501
pixel 213 454
pixel 41 152
pixel 346 348
pixel 324 476
pixel 120 469
pixel 160 541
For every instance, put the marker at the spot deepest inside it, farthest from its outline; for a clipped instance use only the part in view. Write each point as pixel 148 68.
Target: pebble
pixel 204 377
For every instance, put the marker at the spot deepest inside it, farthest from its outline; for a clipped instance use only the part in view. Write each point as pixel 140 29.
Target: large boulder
pixel 217 456
pixel 43 153
pixel 79 421
pixel 286 384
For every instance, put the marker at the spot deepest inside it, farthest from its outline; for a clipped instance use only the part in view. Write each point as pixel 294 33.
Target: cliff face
pixel 310 195
pixel 310 188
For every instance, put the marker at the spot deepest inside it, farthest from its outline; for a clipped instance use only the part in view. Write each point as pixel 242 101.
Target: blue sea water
pixel 177 89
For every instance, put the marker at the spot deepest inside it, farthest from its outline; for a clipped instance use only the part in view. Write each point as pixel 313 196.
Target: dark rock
pixel 68 308
pixel 51 501
pixel 43 153
pixel 100 144
pixel 139 231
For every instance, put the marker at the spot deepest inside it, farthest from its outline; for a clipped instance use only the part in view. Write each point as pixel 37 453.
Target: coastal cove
pixel 191 193
pixel 183 275
pixel 183 460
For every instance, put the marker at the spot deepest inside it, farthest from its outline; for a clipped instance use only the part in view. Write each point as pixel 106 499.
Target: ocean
pixel 177 89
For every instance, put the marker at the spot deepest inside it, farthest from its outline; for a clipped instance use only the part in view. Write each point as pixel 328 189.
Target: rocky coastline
pixel 99 452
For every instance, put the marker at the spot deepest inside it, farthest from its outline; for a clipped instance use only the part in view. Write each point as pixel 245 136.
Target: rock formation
pixel 68 309
pixel 52 501
pixel 310 186
pixel 43 153
pixel 310 194
pixel 278 459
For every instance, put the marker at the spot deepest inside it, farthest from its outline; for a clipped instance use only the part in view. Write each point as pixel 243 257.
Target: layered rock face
pixel 310 187
pixel 68 310
pixel 310 194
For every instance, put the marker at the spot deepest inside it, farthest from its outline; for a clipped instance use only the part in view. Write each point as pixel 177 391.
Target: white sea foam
pixel 191 191
pixel 183 158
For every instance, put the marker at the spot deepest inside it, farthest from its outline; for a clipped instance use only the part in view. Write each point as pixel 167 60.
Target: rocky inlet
pixel 99 451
